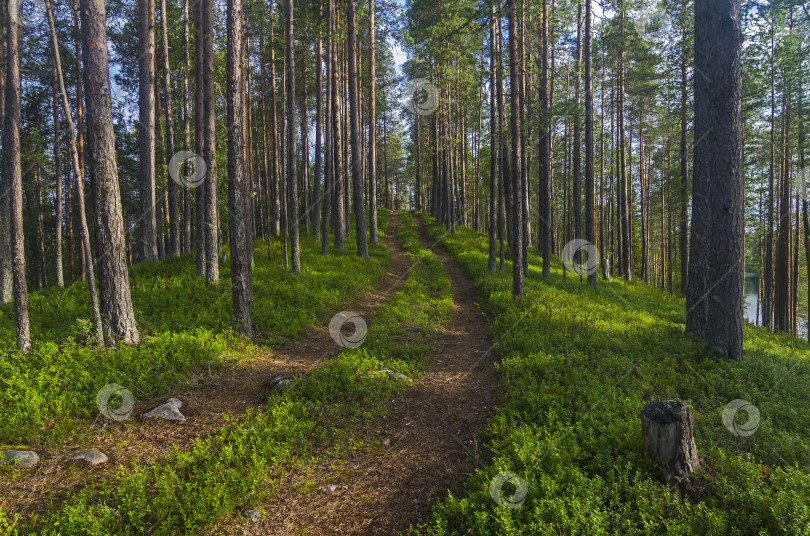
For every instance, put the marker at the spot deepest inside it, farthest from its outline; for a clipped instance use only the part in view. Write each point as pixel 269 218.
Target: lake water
pixel 751 308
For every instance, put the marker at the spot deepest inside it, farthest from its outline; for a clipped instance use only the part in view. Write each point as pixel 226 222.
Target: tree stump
pixel 666 431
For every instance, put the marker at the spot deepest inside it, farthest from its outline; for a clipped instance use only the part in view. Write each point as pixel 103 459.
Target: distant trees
pixel 529 122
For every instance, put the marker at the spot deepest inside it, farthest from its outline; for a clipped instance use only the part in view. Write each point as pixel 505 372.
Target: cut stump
pixel 668 438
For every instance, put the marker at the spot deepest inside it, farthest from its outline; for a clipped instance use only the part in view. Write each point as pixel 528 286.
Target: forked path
pixel 433 430
pixel 230 391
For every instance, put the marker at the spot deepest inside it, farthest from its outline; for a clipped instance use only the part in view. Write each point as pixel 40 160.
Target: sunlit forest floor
pixel 357 441
pixel 577 367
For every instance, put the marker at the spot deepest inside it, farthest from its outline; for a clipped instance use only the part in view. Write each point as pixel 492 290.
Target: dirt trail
pixel 231 391
pixel 433 431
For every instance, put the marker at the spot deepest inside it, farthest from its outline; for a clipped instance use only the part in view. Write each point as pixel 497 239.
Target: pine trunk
pixel 116 302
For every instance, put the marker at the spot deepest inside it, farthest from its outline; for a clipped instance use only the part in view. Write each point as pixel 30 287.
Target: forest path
pixel 432 427
pixel 232 391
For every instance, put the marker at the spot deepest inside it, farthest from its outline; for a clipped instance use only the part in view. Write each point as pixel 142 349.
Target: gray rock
pixel 91 457
pixel 399 377
pixel 277 383
pixel 170 411
pixel 329 489
pixel 253 515
pixel 21 459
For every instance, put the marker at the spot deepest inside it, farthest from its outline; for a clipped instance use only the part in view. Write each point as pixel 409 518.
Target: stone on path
pixel 91 457
pixel 253 515
pixel 21 459
pixel 170 411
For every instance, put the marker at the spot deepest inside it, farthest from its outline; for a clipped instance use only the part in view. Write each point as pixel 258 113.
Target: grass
pixel 577 367
pixel 240 464
pixel 183 323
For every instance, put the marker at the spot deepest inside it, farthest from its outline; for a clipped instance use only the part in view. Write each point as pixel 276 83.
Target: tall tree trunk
pixel 210 144
pixel 781 295
pixel 57 165
pixel 12 172
pixel 337 149
pixel 590 188
pixel 684 190
pixel 304 140
pixel 266 149
pixel 161 210
pixel 6 254
pixel 372 129
pixel 116 302
pixel 624 181
pixel 328 176
pixel 146 128
pixel 493 142
pixel 645 207
pixel 275 168
pixel 174 218
pixel 75 158
pixel 240 226
pixel 719 178
pixel 576 192
pixel 41 276
pixel 77 47
pixel 316 186
pixel 186 129
pixel 544 195
pixel 292 186
pixel 199 143
pixel 517 190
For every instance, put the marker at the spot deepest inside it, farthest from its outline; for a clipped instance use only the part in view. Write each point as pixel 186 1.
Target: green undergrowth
pixel 183 323
pixel 240 464
pixel 577 367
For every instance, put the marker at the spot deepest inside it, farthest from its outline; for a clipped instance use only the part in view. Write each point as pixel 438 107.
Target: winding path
pixel 433 430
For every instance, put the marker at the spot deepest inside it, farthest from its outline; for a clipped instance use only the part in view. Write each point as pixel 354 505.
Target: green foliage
pixel 577 367
pixel 239 464
pixel 184 324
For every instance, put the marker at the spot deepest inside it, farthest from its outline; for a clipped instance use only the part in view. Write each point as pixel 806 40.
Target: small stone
pixel 329 489
pixel 279 382
pixel 399 377
pixel 386 443
pixel 169 411
pixel 253 515
pixel 21 459
pixel 91 457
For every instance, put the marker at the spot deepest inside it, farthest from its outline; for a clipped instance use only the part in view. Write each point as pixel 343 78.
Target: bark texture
pixel 668 438
pixel 240 214
pixel 116 301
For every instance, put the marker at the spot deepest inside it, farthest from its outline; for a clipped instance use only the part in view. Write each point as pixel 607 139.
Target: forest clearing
pixel 417 267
